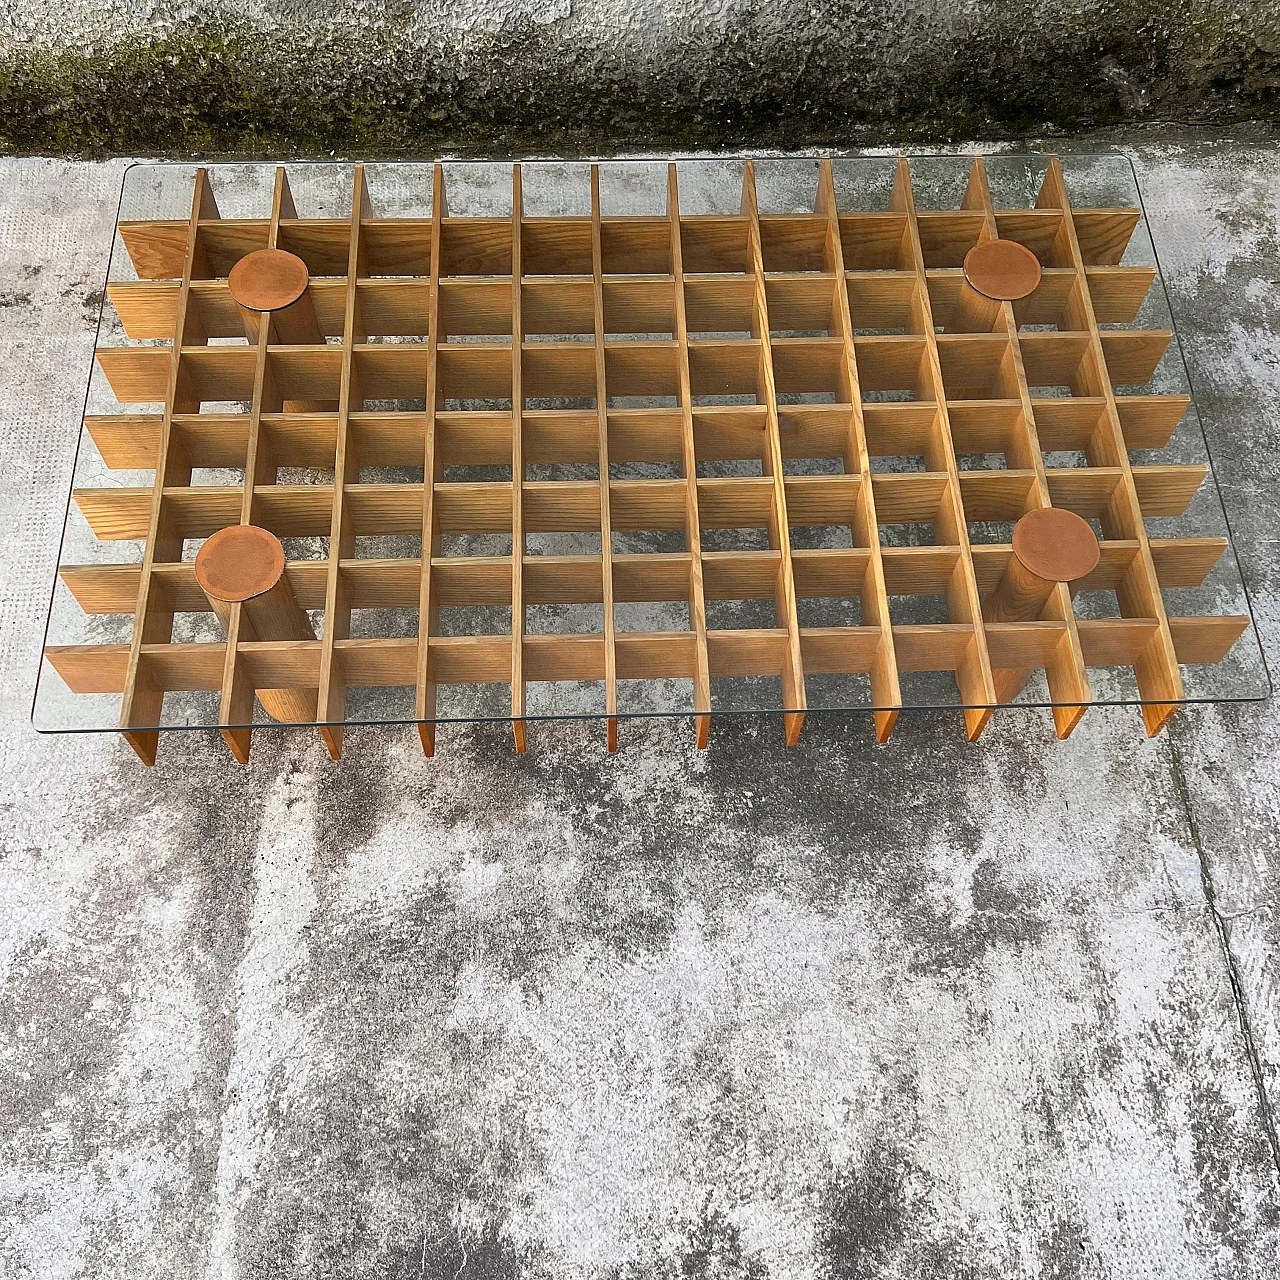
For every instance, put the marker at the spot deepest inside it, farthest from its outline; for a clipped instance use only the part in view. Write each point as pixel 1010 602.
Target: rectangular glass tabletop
pixel 642 438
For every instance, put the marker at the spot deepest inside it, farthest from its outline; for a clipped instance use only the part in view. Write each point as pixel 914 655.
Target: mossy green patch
pixel 217 86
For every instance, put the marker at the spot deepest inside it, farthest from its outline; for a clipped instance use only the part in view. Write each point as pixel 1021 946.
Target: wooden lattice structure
pixel 456 311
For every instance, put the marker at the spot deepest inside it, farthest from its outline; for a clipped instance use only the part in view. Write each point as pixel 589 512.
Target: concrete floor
pixel 836 1011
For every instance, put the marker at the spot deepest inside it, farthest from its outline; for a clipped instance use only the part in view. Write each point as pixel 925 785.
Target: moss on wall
pixel 846 73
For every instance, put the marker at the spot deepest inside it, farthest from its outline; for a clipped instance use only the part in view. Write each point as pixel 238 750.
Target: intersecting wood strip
pixel 605 574
pixel 973 668
pixel 688 462
pixel 153 619
pixel 1063 660
pixel 429 598
pixel 775 339
pixel 236 704
pixel 1156 666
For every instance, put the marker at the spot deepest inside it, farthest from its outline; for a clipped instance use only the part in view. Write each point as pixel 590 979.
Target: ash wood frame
pixel 944 352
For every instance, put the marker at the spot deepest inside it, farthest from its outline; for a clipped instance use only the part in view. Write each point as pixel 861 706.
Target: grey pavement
pixel 927 1010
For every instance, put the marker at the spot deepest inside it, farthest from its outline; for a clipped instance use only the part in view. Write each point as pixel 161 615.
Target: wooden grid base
pixel 487 305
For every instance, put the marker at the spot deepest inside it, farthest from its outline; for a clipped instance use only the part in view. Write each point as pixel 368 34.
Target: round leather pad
pixel 1002 269
pixel 268 280
pixel 239 562
pixel 1055 544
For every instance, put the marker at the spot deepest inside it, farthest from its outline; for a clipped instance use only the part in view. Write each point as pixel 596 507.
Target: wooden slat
pixel 158 250
pixel 911 497
pixel 113 588
pixel 115 513
pixel 433 587
pixel 471 507
pixel 1099 238
pixel 1116 642
pixel 937 646
pixel 1206 640
pixel 153 620
pixel 247 669
pixel 1119 292
pixel 689 466
pixel 1185 562
pixel 1132 354
pixel 189 667
pixel 137 375
pixel 564 657
pixel 759 652
pixel 726 502
pixel 1115 558
pixel 1102 235
pixel 832 572
pixel 840 650
pixel 375 663
pixel 973 670
pixel 476 580
pixel 602 463
pixel 276 664
pixel 741 575
pixel 920 570
pixel 471 659
pixel 657 655
pixel 1017 646
pixel 1148 422
pixel 792 670
pixel 331 709
pixel 224 242
pixel 90 668
pixel 518 489
pixel 1167 489
pixel 147 308
pixel 1068 423
pixel 236 700
pixel 127 441
pixel 1061 658
pixel 822 500
pixel 576 579
pixel 653 576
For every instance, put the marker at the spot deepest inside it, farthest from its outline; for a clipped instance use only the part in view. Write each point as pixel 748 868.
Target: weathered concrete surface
pixel 1216 219
pixel 836 1011
pixel 428 76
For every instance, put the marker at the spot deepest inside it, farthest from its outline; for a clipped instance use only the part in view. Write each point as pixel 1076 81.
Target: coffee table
pixel 421 443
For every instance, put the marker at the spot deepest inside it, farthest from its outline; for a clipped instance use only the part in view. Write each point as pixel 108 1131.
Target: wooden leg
pixel 885 721
pixel 244 565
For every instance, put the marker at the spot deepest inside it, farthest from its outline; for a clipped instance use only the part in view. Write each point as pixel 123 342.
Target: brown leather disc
pixel 268 280
pixel 1002 269
pixel 239 562
pixel 1055 544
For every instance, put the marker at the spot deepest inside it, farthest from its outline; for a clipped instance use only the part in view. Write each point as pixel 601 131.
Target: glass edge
pixel 686 714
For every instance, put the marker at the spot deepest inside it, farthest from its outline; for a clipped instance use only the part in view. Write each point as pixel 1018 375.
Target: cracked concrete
pixel 836 1011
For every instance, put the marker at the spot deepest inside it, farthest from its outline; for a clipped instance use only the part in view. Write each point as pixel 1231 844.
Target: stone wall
pixel 422 76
